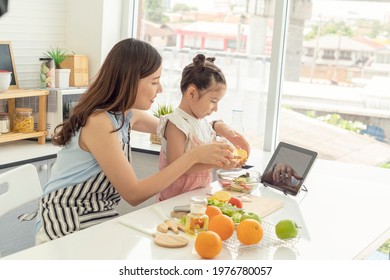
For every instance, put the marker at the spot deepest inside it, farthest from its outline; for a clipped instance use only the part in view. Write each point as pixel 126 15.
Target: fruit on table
pixel 250 232
pixel 285 229
pixel 212 210
pixel 222 196
pixel 250 215
pixel 208 244
pixel 227 209
pixel 235 201
pixel 223 225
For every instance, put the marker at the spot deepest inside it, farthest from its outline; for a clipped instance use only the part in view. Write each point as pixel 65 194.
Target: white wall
pixel 32 27
pixel 88 27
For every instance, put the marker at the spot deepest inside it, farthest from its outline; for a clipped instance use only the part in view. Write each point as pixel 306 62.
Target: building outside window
pixel 331 91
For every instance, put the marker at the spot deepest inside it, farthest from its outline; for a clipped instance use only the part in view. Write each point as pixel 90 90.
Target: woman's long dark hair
pixel 115 86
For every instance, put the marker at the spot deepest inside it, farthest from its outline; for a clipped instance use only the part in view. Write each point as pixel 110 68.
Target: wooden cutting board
pixel 260 205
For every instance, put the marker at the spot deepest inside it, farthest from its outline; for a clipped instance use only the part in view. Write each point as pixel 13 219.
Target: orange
pixel 222 196
pixel 242 154
pixel 212 211
pixel 223 225
pixel 250 232
pixel 208 244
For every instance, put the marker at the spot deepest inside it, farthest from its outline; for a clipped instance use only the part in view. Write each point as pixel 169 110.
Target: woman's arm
pixel 143 121
pixel 96 137
pixel 176 141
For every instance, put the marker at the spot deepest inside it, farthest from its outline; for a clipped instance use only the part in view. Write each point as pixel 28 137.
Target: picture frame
pixel 7 62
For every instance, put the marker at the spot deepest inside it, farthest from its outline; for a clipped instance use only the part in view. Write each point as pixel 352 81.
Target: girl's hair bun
pixel 199 62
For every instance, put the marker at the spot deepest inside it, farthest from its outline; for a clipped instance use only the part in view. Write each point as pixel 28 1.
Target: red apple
pixel 235 201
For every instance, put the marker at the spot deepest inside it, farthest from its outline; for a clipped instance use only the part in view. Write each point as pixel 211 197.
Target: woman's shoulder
pixel 99 121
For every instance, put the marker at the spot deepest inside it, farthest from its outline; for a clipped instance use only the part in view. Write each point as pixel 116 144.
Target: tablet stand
pixel 303 188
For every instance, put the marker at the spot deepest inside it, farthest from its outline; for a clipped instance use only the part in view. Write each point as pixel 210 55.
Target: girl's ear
pixel 192 92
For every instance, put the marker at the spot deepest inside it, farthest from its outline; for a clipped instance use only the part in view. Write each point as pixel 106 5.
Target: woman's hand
pixel 219 154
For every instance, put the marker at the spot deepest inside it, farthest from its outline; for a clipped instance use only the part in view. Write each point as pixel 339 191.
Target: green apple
pixel 250 215
pixel 285 229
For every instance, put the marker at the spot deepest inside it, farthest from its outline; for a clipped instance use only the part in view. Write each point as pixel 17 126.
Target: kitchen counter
pixel 25 151
pixel 340 217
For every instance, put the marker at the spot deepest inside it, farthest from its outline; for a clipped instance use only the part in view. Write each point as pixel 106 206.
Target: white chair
pixel 22 185
pixel 20 190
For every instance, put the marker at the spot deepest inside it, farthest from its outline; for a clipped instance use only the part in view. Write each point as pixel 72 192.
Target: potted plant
pixel 161 111
pixel 61 75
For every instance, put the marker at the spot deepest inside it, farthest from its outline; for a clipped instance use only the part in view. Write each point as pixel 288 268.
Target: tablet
pixel 286 159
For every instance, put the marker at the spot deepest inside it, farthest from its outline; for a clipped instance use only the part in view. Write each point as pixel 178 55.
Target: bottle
pixel 197 220
pixel 23 120
pixel 4 122
pixel 47 79
pixel 237 121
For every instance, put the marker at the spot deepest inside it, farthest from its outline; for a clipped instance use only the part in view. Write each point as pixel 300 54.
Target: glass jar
pixel 23 120
pixel 197 220
pixel 4 122
pixel 237 124
pixel 47 79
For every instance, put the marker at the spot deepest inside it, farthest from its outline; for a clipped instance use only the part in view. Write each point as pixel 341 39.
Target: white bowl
pixel 5 80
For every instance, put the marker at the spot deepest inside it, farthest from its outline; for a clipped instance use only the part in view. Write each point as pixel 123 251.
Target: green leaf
pixel 57 54
pixel 163 110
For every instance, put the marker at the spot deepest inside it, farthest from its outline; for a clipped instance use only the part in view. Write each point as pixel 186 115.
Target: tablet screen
pixel 288 168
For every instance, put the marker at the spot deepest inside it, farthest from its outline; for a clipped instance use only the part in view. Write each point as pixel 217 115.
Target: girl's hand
pixel 233 163
pixel 232 136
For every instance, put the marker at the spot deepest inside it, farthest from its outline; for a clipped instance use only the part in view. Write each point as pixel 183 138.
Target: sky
pixel 368 9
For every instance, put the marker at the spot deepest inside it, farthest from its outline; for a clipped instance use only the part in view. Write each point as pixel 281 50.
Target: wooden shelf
pixel 11 95
pixel 13 136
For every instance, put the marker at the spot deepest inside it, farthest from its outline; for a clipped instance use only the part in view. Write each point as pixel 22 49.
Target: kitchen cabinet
pixel 41 132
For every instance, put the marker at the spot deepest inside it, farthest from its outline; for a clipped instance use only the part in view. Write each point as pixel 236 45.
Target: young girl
pixel 203 85
pixel 93 170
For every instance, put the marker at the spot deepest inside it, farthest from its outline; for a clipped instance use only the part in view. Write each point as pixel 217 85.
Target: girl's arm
pixel 232 136
pixel 96 137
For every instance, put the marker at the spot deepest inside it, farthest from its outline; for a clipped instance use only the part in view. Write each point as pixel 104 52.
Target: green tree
pixel 154 10
pixel 181 7
pixel 336 28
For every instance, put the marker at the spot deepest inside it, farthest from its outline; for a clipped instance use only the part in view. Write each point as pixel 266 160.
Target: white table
pixel 343 216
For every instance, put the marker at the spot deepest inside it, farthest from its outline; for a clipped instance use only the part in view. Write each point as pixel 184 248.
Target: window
pixel 319 82
pixel 345 55
pixel 337 102
pixel 237 33
pixel 328 54
pixel 310 52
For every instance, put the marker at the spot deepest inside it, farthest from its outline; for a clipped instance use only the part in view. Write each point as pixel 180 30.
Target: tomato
pixel 235 201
